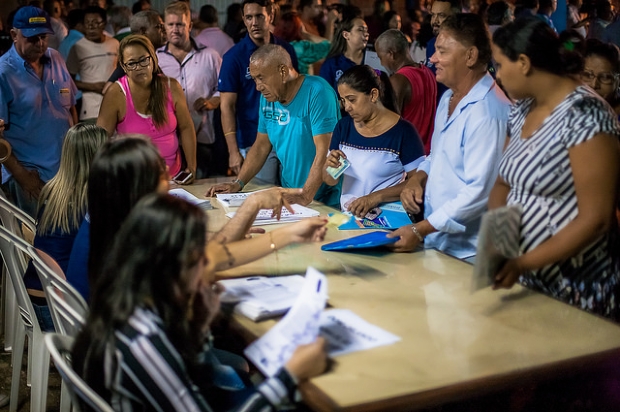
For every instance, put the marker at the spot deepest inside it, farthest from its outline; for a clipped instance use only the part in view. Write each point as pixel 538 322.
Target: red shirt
pixel 421 108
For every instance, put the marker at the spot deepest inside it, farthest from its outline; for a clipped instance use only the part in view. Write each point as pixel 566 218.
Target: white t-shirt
pixel 94 62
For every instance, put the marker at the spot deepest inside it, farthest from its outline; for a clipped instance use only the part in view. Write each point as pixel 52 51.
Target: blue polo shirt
pixel 235 78
pixel 291 129
pixel 37 112
pixel 333 68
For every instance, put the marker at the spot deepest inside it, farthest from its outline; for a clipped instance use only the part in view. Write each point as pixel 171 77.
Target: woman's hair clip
pixel 378 72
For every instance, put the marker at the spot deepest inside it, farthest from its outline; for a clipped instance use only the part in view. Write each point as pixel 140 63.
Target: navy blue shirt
pixel 333 68
pixel 58 245
pixel 430 50
pixel 235 78
pixel 77 270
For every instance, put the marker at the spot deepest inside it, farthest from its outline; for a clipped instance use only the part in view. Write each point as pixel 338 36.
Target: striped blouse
pixel 539 173
pixel 145 372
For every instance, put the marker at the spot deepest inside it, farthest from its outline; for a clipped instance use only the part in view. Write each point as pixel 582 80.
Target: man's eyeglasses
pixel 143 62
pixel 603 78
pixel 160 26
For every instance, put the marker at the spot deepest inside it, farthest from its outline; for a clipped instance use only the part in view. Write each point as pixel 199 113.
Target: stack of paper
pixel 261 297
pixel 344 331
pixel 264 216
pixel 204 204
pixel 232 199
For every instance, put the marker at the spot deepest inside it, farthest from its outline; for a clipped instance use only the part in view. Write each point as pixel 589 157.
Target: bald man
pixel 297 115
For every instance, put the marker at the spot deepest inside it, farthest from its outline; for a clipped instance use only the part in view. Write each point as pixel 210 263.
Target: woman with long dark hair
pixel 383 149
pixel 561 165
pixel 145 101
pixel 347 49
pixel 146 344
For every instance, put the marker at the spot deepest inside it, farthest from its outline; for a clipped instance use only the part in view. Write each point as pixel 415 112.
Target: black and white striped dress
pixel 540 177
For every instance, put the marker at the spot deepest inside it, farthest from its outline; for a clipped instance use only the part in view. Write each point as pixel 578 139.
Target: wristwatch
pixel 240 182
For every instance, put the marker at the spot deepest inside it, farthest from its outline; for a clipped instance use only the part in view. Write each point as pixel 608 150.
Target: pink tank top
pixel 164 138
pixel 420 110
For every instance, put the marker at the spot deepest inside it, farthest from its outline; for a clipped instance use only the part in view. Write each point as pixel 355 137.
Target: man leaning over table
pixel 297 115
pixel 454 181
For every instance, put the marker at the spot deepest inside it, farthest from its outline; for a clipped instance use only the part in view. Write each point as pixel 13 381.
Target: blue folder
pixel 393 216
pixel 365 241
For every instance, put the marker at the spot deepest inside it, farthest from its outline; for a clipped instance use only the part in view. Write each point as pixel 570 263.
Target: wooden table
pixel 455 344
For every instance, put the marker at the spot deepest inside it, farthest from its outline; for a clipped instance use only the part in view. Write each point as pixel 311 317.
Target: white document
pixel 264 216
pixel 345 332
pixel 260 297
pixel 232 199
pixel 299 326
pixel 204 204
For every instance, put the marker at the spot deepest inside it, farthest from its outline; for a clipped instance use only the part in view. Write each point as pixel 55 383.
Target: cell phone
pixel 373 213
pixel 183 177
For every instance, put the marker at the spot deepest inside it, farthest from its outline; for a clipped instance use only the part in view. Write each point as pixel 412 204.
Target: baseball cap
pixel 32 21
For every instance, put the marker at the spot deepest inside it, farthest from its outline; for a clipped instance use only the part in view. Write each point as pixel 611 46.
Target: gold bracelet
pixel 272 245
pixel 417 233
pixel 226 134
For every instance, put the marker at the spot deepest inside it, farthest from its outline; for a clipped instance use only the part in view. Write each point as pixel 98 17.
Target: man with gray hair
pixel 414 84
pixel 297 115
pixel 119 18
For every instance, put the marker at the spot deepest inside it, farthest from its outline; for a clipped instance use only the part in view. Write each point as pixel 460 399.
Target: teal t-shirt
pixel 313 111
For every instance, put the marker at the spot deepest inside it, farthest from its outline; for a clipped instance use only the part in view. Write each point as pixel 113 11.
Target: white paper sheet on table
pixel 345 332
pixel 204 204
pixel 232 199
pixel 299 326
pixel 264 216
pixel 261 297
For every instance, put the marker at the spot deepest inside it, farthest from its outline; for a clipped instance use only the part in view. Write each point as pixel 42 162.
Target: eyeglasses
pixel 143 62
pixel 160 26
pixel 603 78
pixel 98 23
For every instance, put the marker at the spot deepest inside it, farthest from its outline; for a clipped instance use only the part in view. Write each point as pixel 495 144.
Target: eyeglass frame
pixel 133 66
pixel 591 77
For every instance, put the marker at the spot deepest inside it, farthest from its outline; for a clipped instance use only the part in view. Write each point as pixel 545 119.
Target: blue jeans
pixel 270 172
pixel 19 198
pixel 44 317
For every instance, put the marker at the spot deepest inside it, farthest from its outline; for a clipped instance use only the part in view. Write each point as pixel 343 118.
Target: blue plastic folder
pixel 393 216
pixel 365 241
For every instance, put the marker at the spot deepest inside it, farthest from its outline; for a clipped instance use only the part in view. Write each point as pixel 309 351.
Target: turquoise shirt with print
pixel 313 111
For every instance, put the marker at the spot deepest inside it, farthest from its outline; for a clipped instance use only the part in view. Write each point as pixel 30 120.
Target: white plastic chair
pixel 67 307
pixel 60 349
pixel 12 218
pixel 13 247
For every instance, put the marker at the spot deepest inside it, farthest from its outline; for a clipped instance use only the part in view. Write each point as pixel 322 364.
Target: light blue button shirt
pixel 463 165
pixel 36 111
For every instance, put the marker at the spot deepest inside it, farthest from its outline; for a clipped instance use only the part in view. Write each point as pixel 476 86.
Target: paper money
pixel 336 172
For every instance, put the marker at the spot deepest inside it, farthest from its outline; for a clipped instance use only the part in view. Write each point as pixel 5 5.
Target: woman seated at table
pixel 126 170
pixel 561 164
pixel 62 207
pixel 602 71
pixel 147 344
pixel 145 101
pixel 382 148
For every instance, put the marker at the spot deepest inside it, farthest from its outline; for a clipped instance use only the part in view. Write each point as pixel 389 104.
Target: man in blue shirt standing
pixel 37 103
pixel 296 119
pixel 454 182
pixel 238 95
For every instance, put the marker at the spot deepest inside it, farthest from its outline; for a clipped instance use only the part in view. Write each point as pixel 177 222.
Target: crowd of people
pixel 470 110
